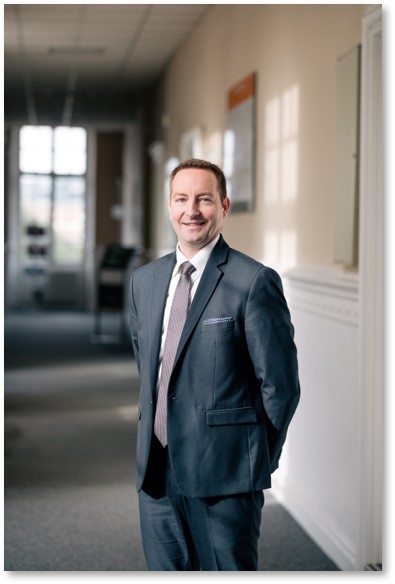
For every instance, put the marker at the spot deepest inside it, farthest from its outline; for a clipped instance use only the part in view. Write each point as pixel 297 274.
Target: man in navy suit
pixel 232 392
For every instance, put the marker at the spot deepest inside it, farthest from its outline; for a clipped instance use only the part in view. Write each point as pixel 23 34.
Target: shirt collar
pixel 199 260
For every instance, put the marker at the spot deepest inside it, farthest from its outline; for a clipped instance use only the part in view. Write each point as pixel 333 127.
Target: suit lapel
pixel 210 278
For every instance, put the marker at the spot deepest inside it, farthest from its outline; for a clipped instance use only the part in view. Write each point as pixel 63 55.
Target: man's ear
pixel 226 206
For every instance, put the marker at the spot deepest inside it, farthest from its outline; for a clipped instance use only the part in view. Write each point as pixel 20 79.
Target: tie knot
pixel 186 269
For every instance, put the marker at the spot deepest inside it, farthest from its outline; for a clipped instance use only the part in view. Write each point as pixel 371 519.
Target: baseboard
pixel 316 525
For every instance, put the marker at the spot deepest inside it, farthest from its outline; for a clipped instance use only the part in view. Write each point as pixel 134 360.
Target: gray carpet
pixel 70 423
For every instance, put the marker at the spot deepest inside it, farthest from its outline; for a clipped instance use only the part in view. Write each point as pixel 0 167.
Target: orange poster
pixel 242 91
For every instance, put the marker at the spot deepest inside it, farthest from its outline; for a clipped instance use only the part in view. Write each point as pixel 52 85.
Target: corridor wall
pixel 293 49
pixel 319 478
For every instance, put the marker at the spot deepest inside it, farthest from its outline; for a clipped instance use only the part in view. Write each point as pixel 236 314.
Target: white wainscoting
pixel 318 476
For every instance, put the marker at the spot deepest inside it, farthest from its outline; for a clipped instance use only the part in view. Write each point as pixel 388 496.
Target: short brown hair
pixel 203 165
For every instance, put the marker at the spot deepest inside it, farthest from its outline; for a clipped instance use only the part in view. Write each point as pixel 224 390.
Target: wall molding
pixel 326 292
pixel 324 305
pixel 317 524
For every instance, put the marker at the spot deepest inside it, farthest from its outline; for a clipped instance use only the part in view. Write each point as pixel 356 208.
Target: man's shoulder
pixel 243 260
pixel 156 264
pixel 242 263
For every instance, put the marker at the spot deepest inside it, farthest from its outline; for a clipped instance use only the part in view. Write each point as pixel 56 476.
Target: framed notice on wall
pixel 239 144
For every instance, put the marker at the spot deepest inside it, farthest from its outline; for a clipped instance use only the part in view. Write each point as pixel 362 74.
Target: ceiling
pixel 75 63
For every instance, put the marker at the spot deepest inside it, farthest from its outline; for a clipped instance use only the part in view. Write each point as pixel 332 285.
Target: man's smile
pixel 193 223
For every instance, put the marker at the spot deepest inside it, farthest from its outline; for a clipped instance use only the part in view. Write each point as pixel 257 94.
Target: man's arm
pixel 269 334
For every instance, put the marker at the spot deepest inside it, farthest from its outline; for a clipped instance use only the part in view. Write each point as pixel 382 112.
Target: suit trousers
pixel 190 534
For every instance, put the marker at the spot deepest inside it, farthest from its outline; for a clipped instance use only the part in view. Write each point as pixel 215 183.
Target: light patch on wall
pixel 290 111
pixel 288 248
pixel 229 147
pixel 213 148
pixel 191 144
pixel 281 147
pixel 271 246
pixel 289 174
pixel 272 163
pixel 280 249
pixel 272 151
pixel 272 123
pixel 289 157
pixel 281 177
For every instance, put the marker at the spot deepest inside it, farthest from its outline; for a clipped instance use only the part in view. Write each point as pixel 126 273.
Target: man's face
pixel 196 210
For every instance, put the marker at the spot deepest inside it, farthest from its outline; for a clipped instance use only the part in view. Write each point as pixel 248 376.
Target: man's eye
pixel 205 199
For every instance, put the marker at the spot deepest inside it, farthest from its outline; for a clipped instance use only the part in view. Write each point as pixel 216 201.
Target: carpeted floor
pixel 70 422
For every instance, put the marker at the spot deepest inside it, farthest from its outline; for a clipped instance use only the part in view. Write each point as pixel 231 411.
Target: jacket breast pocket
pixel 231 416
pixel 218 325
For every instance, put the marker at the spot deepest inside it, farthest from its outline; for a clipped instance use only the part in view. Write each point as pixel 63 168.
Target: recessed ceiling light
pixel 76 51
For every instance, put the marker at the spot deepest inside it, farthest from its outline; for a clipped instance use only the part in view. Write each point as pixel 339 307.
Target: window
pixel 68 223
pixel 52 164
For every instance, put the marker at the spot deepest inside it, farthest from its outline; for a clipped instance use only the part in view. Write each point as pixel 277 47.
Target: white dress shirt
pixel 199 261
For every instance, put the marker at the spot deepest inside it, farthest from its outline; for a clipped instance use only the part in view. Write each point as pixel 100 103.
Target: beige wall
pixel 293 50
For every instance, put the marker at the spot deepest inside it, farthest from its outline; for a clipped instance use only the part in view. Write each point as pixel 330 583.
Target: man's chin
pixel 192 235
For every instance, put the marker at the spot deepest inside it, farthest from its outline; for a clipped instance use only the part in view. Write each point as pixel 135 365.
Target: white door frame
pixel 371 290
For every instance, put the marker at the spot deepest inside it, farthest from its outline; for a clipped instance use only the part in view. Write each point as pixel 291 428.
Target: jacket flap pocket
pixel 246 415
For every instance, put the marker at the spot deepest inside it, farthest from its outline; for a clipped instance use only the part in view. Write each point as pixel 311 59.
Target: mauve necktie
pixel 177 318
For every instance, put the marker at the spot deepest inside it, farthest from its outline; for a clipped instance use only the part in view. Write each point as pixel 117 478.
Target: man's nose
pixel 192 208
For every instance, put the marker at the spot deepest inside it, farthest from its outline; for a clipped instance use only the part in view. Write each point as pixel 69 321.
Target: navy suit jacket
pixel 234 386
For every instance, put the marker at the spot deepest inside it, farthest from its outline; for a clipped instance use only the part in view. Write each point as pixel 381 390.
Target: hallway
pixel 70 421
